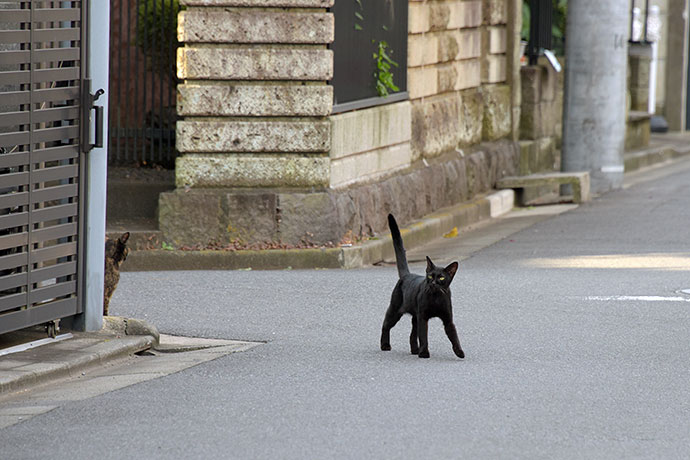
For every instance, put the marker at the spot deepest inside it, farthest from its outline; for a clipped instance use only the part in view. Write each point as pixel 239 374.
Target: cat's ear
pixel 429 264
pixel 451 269
pixel 123 239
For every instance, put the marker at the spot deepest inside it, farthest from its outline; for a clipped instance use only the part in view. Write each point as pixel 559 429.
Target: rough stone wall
pixel 254 100
pixel 263 158
pixel 541 118
pixel 457 52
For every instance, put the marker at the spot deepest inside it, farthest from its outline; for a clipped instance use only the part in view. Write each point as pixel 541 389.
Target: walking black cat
pixel 423 297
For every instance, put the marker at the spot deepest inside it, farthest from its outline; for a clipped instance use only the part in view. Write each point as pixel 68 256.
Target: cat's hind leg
pixel 392 317
pixel 414 342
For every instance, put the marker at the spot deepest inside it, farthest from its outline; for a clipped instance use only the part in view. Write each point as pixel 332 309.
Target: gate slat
pixel 14 261
pixel 9 160
pixel 13 240
pixel 13 281
pixel 14 56
pixel 56 54
pixel 13 139
pixel 56 94
pixel 14 15
pixel 11 98
pixel 18 77
pixel 63 152
pixel 58 74
pixel 53 233
pixel 57 34
pixel 56 114
pixel 54 193
pixel 15 118
pixel 37 315
pixel 56 14
pixel 54 271
pixel 53 252
pixel 12 301
pixel 63 211
pixel 14 179
pixel 12 200
pixel 14 36
pixel 51 292
pixel 56 134
pixel 16 219
pixel 55 173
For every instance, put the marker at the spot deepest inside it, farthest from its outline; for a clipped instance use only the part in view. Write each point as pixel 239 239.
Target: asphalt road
pixel 576 338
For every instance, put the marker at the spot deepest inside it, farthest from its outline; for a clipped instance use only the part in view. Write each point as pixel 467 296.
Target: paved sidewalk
pixel 69 354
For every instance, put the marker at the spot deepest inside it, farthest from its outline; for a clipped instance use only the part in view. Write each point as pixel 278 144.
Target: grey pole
pixel 99 36
pixel 594 103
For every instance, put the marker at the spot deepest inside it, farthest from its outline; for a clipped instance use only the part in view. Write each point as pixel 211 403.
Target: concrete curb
pixel 366 253
pixel 74 356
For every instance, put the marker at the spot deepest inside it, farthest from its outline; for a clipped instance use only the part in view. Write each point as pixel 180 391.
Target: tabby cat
pixel 423 297
pixel 115 253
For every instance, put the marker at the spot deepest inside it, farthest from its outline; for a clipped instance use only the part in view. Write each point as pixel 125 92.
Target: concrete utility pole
pixel 594 103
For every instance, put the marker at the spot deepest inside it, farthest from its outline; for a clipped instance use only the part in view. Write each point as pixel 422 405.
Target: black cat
pixel 423 297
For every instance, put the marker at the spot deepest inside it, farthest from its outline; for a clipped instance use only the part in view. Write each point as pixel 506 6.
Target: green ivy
pixel 383 75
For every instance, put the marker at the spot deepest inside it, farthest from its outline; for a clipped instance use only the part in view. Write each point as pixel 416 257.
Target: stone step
pixel 578 180
pixel 637 130
pixel 143 234
pixel 133 192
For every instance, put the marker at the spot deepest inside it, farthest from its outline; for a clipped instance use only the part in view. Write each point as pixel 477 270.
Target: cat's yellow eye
pixel 430 277
pixel 442 278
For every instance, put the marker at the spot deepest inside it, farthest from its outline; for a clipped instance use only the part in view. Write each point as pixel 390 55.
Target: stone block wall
pixel 254 100
pixel 457 53
pixel 264 159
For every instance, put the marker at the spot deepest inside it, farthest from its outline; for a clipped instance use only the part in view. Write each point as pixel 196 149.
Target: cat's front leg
pixel 452 334
pixel 423 334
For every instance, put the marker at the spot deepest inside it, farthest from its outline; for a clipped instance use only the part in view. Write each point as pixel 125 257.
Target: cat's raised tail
pixel 400 258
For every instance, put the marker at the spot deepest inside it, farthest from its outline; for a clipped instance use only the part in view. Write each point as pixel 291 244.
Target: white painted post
pixel 99 39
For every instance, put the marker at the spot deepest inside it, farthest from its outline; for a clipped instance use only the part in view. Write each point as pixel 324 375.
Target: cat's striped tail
pixel 400 258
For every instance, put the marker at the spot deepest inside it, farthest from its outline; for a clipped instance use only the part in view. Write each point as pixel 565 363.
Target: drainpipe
pixel 595 91
pixel 99 38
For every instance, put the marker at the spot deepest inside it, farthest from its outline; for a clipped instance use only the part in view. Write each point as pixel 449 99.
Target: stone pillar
pixel 595 94
pixel 676 65
pixel 253 103
pixel 640 55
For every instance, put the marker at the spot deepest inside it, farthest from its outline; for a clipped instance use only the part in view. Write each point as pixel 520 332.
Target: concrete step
pixel 579 181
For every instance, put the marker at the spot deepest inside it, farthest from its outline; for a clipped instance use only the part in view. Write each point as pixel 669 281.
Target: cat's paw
pixel 424 354
pixel 459 353
pixel 414 351
pixel 386 346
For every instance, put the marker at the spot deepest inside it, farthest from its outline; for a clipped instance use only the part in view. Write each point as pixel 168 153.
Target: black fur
pixel 423 297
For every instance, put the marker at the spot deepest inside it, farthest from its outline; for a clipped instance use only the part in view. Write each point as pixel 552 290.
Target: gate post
pixel 92 293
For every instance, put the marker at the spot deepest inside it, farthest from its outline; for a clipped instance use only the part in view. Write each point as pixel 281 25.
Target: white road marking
pixel 644 298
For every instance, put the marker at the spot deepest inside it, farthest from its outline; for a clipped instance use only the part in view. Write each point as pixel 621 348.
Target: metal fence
pixel 143 44
pixel 364 29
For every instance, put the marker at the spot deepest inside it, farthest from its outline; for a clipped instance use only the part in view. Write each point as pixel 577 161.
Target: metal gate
pixel 42 70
